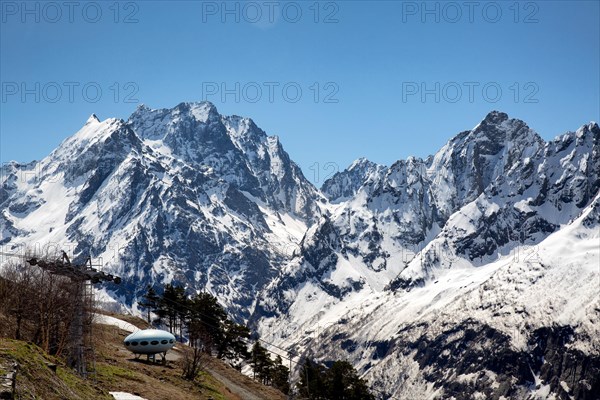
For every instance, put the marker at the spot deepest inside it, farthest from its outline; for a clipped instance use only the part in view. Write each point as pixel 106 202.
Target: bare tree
pixel 38 304
pixel 194 360
pixel 16 296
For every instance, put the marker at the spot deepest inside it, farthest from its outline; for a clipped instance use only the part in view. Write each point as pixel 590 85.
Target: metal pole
pixel 14 381
pixel 77 356
pixel 82 276
pixel 290 354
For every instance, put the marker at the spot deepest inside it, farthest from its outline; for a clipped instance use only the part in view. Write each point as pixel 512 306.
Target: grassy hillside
pixel 117 370
pixel 36 380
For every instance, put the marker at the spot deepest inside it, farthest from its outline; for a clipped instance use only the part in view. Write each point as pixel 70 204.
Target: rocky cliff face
pixel 470 273
pixel 345 184
pixel 487 191
pixel 421 236
pixel 180 195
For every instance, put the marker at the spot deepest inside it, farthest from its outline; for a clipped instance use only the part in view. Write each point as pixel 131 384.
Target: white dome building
pixel 150 342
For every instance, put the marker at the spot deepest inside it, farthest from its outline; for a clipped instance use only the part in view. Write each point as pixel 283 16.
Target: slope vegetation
pixel 41 376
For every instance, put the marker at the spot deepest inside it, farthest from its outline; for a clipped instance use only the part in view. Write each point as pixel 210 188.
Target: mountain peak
pixel 243 128
pixel 498 128
pixel 493 122
pixel 361 162
pixel 495 117
pixel 590 127
pixel 201 110
pixel 343 185
pixel 92 119
pixel 155 124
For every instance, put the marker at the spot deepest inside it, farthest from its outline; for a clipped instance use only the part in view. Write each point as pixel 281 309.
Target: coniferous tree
pixel 150 301
pixel 211 331
pixel 172 305
pixel 312 380
pixel 205 322
pixel 280 376
pixel 232 345
pixel 161 315
pixel 343 383
pixel 181 308
pixel 340 382
pixel 261 363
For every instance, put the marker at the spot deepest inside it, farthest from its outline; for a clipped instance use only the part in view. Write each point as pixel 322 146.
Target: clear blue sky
pixel 373 58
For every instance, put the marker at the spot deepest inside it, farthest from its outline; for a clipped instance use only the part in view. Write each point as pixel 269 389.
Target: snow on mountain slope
pixel 233 148
pixel 532 196
pixel 167 196
pixel 484 329
pixel 473 272
pixel 446 226
pixel 487 191
pixel 345 184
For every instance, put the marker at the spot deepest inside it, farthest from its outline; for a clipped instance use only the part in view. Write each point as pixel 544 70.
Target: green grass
pixel 35 380
pixel 114 371
pixel 111 373
pixel 207 383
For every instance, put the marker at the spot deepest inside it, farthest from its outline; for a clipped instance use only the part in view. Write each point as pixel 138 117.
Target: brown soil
pixel 45 377
pixel 118 370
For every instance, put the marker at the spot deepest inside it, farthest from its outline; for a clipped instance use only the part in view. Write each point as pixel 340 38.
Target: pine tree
pixel 312 380
pixel 233 341
pixel 173 306
pixel 261 363
pixel 205 322
pixel 343 383
pixel 340 382
pixel 280 376
pixel 150 301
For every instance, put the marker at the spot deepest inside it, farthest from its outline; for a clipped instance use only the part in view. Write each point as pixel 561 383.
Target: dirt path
pixel 242 386
pixel 224 379
pixel 236 389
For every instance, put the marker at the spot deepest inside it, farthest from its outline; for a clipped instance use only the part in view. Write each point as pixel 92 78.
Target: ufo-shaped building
pixel 150 342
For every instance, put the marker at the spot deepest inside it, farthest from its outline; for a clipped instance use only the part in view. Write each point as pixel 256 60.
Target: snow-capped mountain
pixel 182 194
pixel 493 242
pixel 343 185
pixel 473 273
